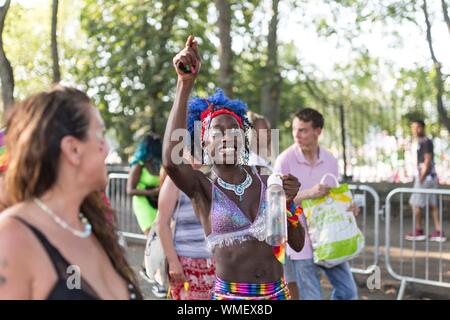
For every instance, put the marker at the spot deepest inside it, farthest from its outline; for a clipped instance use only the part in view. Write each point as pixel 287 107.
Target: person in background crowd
pixel 143 185
pixel 143 182
pixel 309 162
pixel 425 178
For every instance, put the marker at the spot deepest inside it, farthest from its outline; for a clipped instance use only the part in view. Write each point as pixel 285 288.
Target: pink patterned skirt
pixel 199 274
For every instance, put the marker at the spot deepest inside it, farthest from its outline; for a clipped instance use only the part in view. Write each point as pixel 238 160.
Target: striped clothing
pixel 224 290
pixel 189 237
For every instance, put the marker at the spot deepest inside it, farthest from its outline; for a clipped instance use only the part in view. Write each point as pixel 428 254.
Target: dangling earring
pixel 243 159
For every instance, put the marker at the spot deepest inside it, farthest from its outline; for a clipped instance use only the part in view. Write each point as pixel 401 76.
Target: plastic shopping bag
pixel 155 259
pixel 334 234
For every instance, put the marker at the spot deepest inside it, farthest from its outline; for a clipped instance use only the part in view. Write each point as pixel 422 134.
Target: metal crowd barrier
pixel 122 203
pixel 423 262
pixel 366 261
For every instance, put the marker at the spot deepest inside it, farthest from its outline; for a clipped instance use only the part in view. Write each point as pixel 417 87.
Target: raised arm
pixel 182 174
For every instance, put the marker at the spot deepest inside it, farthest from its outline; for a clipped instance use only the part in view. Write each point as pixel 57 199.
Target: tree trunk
pixel 438 82
pixel 225 52
pixel 6 71
pixel 445 12
pixel 55 58
pixel 270 95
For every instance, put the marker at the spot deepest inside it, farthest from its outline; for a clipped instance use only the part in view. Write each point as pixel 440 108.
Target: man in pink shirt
pixel 309 162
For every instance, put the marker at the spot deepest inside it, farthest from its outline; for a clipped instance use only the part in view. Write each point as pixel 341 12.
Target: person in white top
pixel 260 142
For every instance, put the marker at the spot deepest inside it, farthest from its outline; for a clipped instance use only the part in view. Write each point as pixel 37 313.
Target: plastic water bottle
pixel 276 220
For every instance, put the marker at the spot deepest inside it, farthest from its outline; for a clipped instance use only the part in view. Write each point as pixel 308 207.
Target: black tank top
pixel 60 290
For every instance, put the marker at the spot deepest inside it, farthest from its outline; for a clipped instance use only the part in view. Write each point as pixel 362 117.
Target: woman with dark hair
pixel 56 170
pixel 143 182
pixel 229 200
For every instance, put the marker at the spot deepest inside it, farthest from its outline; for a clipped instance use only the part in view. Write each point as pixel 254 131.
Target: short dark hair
pixel 419 121
pixel 308 114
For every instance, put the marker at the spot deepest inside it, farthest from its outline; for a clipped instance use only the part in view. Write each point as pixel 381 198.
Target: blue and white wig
pixel 217 101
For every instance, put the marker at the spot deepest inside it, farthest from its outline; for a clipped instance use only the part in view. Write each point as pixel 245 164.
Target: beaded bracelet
pixel 293 213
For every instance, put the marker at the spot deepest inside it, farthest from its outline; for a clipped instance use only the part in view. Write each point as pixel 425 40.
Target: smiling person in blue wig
pixel 229 200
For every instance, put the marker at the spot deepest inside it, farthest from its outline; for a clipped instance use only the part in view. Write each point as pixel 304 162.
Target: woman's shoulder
pixel 15 236
pixel 18 247
pixel 11 228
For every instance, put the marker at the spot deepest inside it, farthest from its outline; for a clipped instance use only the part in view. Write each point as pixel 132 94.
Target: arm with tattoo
pixel 3 265
pixel 15 276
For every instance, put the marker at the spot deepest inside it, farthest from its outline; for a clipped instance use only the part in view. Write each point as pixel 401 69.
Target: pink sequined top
pixel 229 225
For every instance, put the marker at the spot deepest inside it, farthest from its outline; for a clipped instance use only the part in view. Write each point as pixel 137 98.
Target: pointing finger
pixel 189 41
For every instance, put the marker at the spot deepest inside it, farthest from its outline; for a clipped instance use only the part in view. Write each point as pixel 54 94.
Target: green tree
pixel 225 51
pixel 396 12
pixel 438 76
pixel 27 27
pixel 270 91
pixel 129 69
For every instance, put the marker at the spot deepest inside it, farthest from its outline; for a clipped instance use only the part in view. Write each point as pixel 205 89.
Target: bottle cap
pixel 275 178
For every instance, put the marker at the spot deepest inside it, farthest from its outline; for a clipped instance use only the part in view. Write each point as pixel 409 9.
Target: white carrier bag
pixel 334 234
